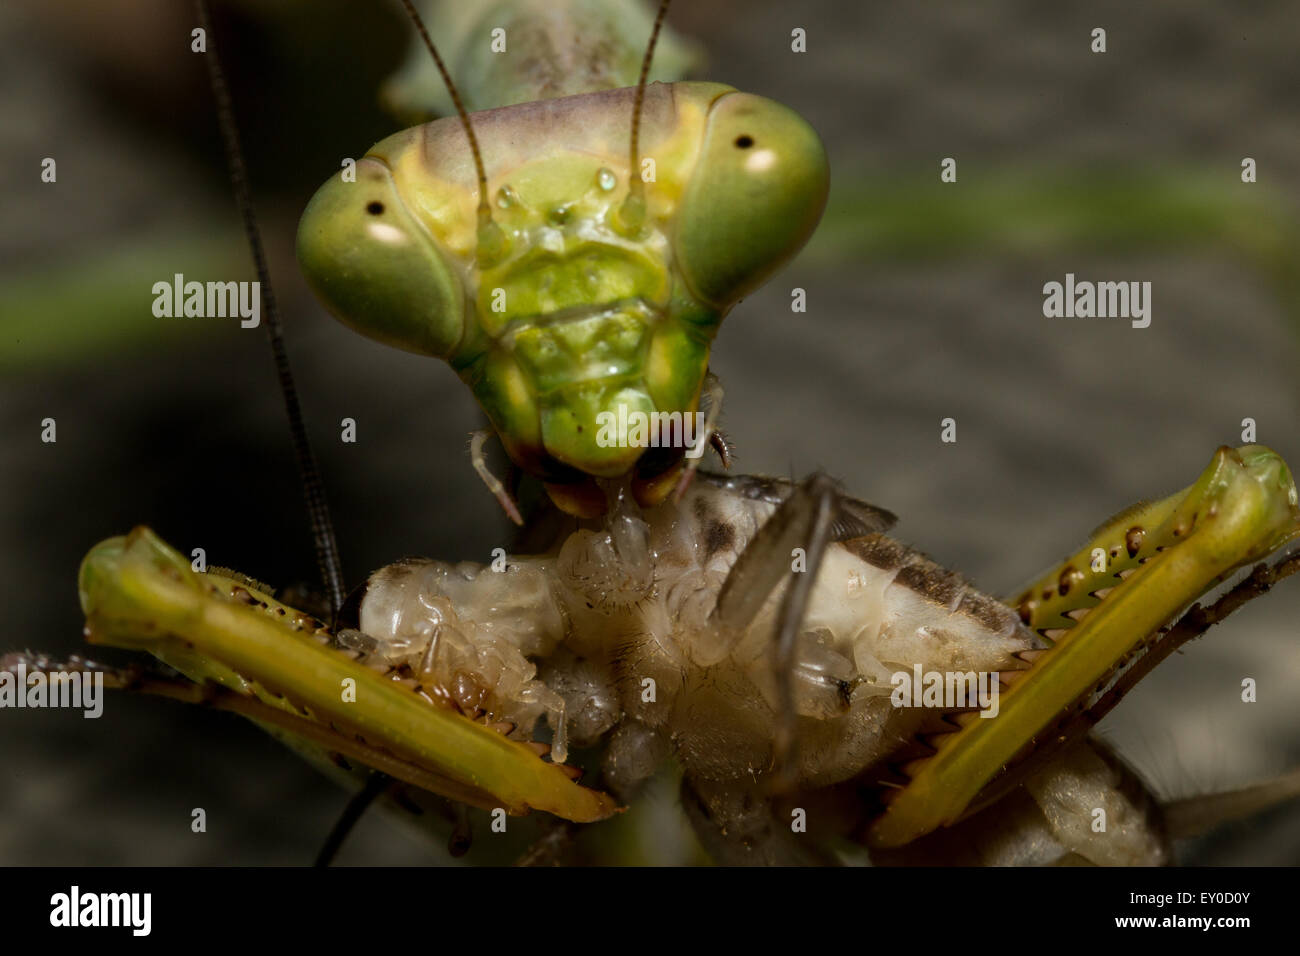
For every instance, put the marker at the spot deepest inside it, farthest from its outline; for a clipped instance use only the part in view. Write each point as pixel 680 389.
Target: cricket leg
pixel 796 536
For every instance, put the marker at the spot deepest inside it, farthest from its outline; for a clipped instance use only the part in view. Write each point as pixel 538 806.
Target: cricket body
pixel 656 632
pixel 754 630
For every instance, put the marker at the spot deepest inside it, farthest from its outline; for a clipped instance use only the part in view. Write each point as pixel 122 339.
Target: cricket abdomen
pixel 619 617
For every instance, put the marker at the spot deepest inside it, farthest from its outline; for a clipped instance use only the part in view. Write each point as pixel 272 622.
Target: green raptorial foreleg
pixel 1136 574
pixel 138 593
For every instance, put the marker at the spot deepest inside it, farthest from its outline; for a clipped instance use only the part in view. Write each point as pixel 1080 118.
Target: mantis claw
pixel 713 391
pixel 476 442
pixel 1161 557
pixel 281 669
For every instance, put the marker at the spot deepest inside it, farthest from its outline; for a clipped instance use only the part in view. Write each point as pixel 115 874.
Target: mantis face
pixel 575 327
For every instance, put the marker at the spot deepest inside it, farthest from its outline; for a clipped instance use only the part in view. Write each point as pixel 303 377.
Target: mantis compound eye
pixel 753 200
pixel 376 268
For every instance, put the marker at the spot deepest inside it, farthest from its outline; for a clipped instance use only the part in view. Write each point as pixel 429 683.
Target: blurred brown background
pixel 1059 423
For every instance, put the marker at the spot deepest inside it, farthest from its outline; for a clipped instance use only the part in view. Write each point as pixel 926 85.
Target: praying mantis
pixel 958 445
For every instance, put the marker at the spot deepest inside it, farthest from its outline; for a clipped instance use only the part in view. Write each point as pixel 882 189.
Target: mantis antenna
pixel 491 241
pixel 633 210
pixel 322 526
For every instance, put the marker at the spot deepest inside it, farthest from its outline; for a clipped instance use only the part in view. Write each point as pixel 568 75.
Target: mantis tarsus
pixel 850 421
